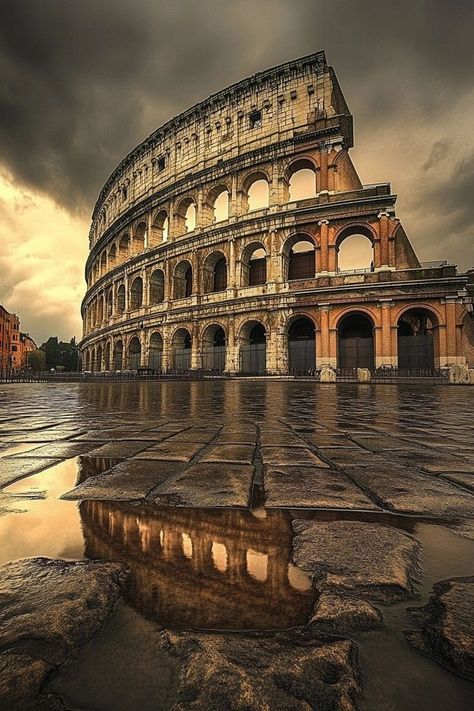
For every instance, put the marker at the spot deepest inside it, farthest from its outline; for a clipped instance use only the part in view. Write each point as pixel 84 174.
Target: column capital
pixel 386 303
pixel 324 307
pixel 383 213
pixel 323 222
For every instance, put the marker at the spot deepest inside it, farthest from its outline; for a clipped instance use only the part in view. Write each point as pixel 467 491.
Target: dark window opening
pixel 188 278
pixel 257 271
pixel 255 119
pixel 220 275
pixel 160 164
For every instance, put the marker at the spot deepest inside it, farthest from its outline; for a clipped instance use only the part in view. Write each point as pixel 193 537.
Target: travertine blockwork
pixel 221 243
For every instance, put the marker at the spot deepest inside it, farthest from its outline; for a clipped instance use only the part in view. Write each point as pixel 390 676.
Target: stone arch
pixel 253 263
pixel 124 247
pixel 99 358
pixel 255 191
pixel 301 339
pixel 253 347
pixel 100 309
pixel 183 280
pixel 299 179
pixel 108 356
pixel 86 362
pixel 299 257
pixel 355 340
pixel 181 345
pixel 213 347
pixel 134 352
pixel 118 355
pixel 139 238
pixel 112 256
pixel 218 199
pixel 355 248
pixel 110 302
pixel 186 215
pixel 156 287
pixel 159 228
pixel 215 272
pixel 93 361
pixel 120 298
pixel 103 263
pixel 136 294
pixel 155 351
pixel 417 338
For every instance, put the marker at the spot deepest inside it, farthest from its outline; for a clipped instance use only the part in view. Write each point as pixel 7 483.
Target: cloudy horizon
pixel 83 83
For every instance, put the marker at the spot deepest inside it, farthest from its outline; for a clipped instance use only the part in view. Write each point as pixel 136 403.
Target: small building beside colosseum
pixel 239 238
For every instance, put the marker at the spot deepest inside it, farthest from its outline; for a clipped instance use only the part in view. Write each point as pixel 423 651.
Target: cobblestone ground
pixel 249 505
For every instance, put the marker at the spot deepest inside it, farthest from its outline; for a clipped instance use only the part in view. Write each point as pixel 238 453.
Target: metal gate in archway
pixel 182 359
pixel 356 352
pixel 301 357
pixel 213 358
pixel 253 359
pixel 416 352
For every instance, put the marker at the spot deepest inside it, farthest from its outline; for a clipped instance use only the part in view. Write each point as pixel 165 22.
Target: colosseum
pixel 239 239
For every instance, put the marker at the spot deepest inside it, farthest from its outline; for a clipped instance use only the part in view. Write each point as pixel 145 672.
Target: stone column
pixel 451 354
pixel 324 346
pixel 231 356
pixel 166 359
pixel 323 169
pixel 233 198
pixel 324 247
pixel 143 349
pixel 385 355
pixel 195 350
pixel 383 234
pixel 232 265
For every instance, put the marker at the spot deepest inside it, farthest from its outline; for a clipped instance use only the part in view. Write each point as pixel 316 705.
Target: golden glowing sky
pixel 82 83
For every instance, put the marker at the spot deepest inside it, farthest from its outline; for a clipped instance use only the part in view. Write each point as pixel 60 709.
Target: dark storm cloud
pixel 82 82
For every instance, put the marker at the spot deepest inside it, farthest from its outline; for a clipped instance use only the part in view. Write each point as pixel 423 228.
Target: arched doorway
pixel 108 349
pixel 416 343
pixel 356 342
pixel 182 349
pixel 301 347
pixel 213 349
pixel 253 351
pixel 118 355
pixel 155 351
pixel 134 353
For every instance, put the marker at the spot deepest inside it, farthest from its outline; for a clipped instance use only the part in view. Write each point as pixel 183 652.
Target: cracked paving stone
pixel 229 454
pixel 278 439
pixel 350 456
pixel 313 487
pixel 170 451
pixel 119 449
pixel 370 561
pixel 12 469
pixel 447 625
pixel 409 491
pixel 195 436
pixel 282 456
pixel 64 450
pixel 208 484
pixel 465 480
pixel 431 460
pixel 127 481
pixel 49 609
pixel 255 673
pixel 237 437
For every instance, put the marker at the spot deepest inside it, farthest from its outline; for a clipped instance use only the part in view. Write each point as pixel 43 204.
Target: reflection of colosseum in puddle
pixel 206 569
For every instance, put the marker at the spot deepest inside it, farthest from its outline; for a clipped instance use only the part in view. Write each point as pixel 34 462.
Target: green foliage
pixel 36 360
pixel 60 355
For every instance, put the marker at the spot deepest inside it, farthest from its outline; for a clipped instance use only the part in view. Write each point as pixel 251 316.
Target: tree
pixel 60 354
pixel 36 360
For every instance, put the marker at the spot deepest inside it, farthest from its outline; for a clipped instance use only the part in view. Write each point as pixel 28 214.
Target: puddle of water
pixel 18 449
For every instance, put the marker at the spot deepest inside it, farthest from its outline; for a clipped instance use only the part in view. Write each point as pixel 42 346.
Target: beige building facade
pixel 239 238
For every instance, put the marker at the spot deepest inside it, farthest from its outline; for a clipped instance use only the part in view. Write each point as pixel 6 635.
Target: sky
pixel 84 81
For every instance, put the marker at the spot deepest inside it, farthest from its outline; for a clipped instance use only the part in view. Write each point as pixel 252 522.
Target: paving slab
pixel 229 454
pixel 12 469
pixel 243 672
pixel 172 451
pixel 127 481
pixel 64 450
pixel 447 625
pixel 282 456
pixel 313 487
pixel 208 485
pixel 119 449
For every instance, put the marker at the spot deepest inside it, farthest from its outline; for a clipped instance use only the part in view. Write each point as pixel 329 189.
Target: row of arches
pixel 416 335
pixel 299 181
pixel 298 262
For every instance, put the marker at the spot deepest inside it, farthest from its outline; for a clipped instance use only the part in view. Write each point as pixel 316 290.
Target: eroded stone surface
pixel 208 484
pixel 12 469
pixel 281 456
pixel 447 625
pixel 172 451
pixel 49 608
pixel 370 561
pixel 256 673
pixel 337 613
pixel 313 487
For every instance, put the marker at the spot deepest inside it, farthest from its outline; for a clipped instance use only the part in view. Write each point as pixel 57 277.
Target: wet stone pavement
pixel 236 545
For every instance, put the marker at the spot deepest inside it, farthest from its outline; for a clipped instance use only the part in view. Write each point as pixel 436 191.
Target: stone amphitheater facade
pixel 217 244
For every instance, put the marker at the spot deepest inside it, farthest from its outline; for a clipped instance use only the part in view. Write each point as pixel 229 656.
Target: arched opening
pixel 93 360
pixel 99 358
pixel 256 192
pixel 134 353
pixel 118 355
pixel 183 280
pixel 108 353
pixel 213 348
pixel 100 309
pixel 112 256
pixel 190 218
pixel 136 294
pixel 86 361
pixel 253 349
pixel 301 258
pixel 355 250
pixel 301 347
pixel 157 287
pixel 220 206
pixel 416 340
pixel 139 238
pixel 159 229
pixel 185 216
pixel 110 303
pixel 103 263
pixel 155 351
pixel 356 342
pixel 215 273
pixel 124 247
pixel 182 349
pixel 254 265
pixel 301 178
pixel 121 299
